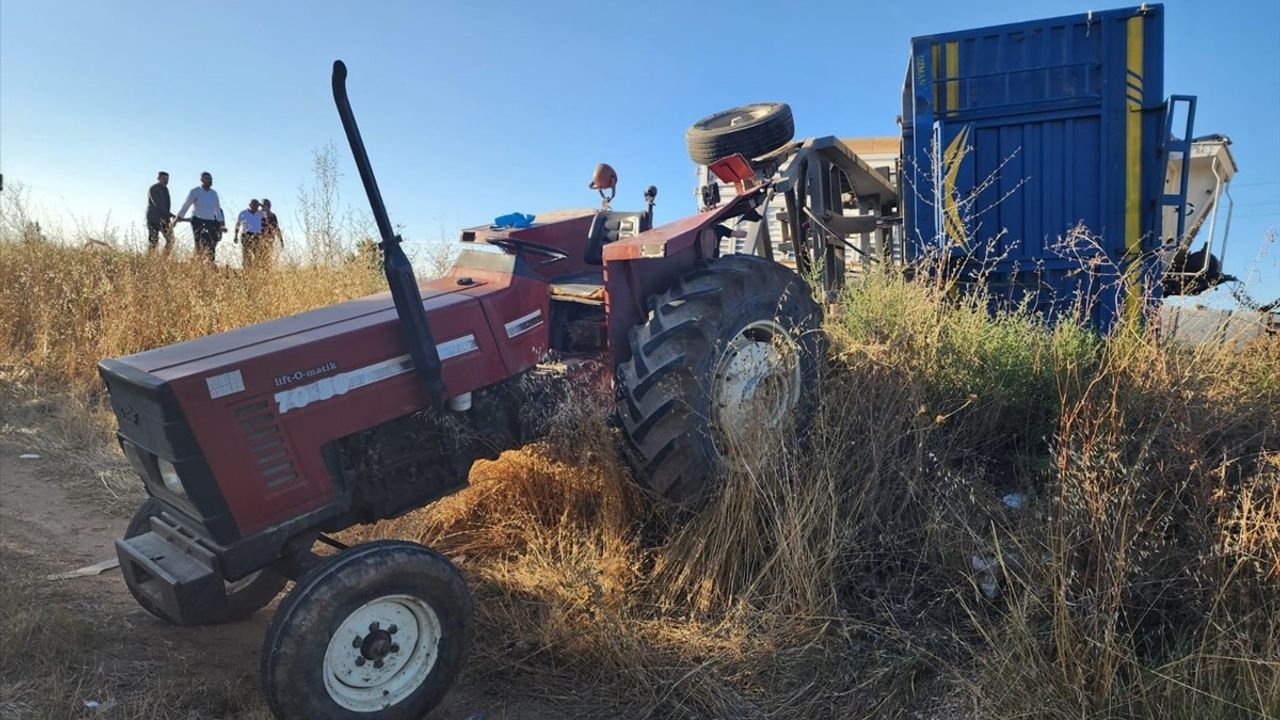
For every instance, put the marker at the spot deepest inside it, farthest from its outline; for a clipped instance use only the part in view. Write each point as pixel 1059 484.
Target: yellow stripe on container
pixel 1133 177
pixel 953 71
pixel 937 73
pixel 952 223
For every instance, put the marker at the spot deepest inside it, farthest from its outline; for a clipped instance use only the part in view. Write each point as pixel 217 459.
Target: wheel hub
pixel 738 117
pixel 376 646
pixel 381 653
pixel 755 388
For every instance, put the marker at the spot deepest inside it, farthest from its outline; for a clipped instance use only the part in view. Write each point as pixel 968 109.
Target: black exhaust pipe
pixel 396 266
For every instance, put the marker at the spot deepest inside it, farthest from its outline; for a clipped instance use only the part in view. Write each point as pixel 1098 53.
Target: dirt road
pixel 50 522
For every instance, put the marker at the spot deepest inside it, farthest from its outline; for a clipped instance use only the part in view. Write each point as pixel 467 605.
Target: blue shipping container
pixel 1016 134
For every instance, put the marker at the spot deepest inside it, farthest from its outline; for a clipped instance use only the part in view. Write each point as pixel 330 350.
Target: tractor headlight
pixel 169 474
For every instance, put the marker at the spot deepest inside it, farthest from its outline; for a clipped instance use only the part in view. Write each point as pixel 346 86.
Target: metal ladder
pixel 1171 144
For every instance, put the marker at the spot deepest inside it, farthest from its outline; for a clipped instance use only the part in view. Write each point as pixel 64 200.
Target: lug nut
pixel 357 642
pixel 373 626
pixel 377 664
pixel 393 629
pixel 395 647
pixel 360 661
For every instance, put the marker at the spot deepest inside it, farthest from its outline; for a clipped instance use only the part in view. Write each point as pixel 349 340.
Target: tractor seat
pixel 586 288
pixel 607 227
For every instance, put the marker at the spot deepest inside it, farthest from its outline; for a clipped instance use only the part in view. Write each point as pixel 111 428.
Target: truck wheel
pixel 730 350
pixel 753 130
pixel 245 596
pixel 379 631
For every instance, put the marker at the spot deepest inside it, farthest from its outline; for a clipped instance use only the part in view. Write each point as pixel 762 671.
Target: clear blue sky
pixel 475 109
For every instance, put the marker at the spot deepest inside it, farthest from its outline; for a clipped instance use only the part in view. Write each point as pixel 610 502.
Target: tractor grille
pixel 270 455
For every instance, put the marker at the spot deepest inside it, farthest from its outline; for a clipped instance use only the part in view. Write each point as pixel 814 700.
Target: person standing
pixel 207 222
pixel 255 247
pixel 271 225
pixel 159 219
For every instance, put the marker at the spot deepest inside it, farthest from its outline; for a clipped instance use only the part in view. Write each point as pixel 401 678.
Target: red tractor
pixel 255 443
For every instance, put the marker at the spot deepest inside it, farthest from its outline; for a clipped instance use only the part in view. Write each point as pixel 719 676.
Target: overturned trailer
pixel 1040 159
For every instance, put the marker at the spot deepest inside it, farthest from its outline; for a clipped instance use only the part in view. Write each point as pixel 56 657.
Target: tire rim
pixel 737 117
pixel 755 388
pixel 381 653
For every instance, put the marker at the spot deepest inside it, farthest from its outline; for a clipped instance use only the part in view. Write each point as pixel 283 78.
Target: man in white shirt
pixel 207 223
pixel 255 247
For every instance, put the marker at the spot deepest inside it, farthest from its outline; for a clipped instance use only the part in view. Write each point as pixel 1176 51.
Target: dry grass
pixel 62 309
pixel 1141 579
pixel 60 650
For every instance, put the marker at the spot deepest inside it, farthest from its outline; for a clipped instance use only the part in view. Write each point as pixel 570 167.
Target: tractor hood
pixel 180 359
pixel 349 343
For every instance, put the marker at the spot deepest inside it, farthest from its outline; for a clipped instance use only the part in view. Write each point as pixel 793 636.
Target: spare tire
pixel 753 130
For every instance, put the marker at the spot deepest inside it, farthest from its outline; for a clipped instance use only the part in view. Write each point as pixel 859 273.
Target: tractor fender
pixel 646 264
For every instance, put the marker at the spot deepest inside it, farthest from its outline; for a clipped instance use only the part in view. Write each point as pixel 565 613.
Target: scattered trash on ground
pixel 28 456
pixel 986 568
pixel 87 571
pixel 1014 501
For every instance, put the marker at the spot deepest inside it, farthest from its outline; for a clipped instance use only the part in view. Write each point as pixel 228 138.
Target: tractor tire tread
pixel 759 137
pixel 294 645
pixel 664 404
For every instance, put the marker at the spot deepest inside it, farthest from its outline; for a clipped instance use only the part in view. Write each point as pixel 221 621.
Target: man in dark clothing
pixel 271 224
pixel 159 219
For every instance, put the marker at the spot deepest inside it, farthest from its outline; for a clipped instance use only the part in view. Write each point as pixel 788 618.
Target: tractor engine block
pixel 404 463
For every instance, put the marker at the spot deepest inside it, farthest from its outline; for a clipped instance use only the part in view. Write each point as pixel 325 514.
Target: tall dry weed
pixel 62 309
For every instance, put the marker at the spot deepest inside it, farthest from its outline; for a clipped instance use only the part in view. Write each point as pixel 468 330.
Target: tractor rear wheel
pixel 730 352
pixel 245 596
pixel 752 130
pixel 376 632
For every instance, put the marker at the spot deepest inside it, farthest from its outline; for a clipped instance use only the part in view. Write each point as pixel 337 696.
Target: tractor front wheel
pixel 376 632
pixel 245 596
pixel 726 364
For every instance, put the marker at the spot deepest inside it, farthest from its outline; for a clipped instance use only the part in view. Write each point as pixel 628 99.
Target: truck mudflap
pixel 174 573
